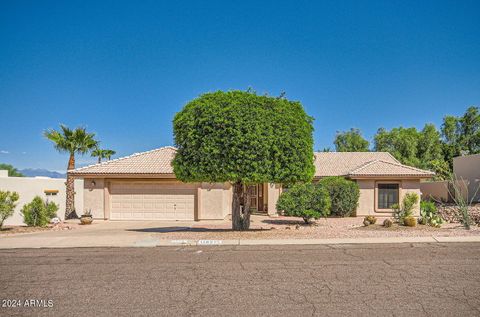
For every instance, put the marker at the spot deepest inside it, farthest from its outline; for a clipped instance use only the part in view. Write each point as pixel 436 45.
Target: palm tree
pixel 77 141
pixel 101 154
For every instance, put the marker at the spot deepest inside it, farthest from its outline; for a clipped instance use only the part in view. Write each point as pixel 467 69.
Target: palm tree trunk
pixel 70 206
pixel 99 160
pixel 240 217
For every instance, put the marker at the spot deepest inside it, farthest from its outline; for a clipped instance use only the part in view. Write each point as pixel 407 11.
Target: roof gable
pixel 383 168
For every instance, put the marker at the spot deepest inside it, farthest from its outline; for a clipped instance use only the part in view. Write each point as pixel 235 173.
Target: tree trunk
pixel 70 206
pixel 240 216
pixel 99 160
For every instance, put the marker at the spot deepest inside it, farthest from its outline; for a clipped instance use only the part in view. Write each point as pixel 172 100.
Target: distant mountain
pixel 32 172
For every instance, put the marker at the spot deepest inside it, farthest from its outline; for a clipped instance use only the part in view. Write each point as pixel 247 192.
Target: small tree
pixel 244 139
pixel 8 202
pixel 38 213
pixel 344 195
pixel 12 171
pixel 305 200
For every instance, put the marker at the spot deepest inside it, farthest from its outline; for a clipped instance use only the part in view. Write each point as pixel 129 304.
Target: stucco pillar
pixel 273 193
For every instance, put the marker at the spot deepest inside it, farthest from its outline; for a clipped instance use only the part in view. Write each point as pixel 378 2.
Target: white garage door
pixel 144 201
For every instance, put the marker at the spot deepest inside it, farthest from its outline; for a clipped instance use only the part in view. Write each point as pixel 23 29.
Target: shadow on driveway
pixel 188 229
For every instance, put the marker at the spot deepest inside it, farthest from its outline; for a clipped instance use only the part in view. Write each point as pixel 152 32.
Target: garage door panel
pixel 152 201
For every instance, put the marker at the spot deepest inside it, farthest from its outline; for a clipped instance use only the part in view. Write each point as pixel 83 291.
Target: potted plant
pixel 86 218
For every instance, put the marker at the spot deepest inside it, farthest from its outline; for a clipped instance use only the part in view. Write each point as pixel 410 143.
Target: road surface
pixel 296 280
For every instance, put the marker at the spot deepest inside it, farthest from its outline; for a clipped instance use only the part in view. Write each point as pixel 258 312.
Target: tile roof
pixel 156 161
pixel 352 164
pixel 382 168
pixel 342 163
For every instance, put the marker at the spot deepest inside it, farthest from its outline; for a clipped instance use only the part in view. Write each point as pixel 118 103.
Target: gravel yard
pixel 294 228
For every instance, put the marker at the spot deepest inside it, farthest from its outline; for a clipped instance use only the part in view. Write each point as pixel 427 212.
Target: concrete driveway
pixel 98 234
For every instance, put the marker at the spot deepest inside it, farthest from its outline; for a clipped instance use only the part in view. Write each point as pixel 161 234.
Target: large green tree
pixel 12 171
pixel 461 135
pixel 351 141
pixel 76 141
pixel 422 149
pixel 243 138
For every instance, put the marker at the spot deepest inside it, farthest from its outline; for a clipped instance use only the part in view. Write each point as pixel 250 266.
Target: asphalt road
pixel 341 280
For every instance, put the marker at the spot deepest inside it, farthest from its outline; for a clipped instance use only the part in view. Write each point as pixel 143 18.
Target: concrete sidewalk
pixel 86 239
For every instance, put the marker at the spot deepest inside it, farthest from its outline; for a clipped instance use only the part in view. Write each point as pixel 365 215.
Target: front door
pixel 256 197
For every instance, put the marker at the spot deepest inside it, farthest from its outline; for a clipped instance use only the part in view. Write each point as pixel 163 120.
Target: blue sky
pixel 123 69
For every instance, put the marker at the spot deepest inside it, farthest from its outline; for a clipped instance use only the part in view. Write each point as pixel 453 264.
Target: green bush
pixel 429 214
pixel 8 202
pixel 38 213
pixel 406 208
pixel 343 193
pixel 305 200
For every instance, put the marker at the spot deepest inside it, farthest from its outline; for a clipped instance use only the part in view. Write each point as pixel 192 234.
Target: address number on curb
pixel 209 242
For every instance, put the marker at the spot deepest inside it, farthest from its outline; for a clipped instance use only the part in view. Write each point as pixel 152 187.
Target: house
pixel 51 189
pixel 382 179
pixel 143 186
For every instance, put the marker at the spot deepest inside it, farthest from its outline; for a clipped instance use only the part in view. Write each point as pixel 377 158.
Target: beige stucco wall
pixel 215 201
pixel 94 197
pixel 467 170
pixel 435 190
pixel 29 187
pixel 367 200
pixel 273 193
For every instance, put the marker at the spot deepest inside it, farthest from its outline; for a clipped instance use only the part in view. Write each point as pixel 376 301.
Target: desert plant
pixel 343 193
pixel 406 208
pixel 387 223
pixel 429 214
pixel 305 200
pixel 458 190
pixel 371 219
pixel 410 221
pixel 38 213
pixel 8 202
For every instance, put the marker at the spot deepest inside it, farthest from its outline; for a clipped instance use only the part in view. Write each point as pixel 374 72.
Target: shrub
pixel 8 202
pixel 305 200
pixel 406 208
pixel 410 221
pixel 371 219
pixel 387 223
pixel 38 213
pixel 429 214
pixel 343 193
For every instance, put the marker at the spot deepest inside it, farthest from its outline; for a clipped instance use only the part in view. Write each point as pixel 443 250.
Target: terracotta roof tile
pixel 342 163
pixel 351 164
pixel 156 161
pixel 382 168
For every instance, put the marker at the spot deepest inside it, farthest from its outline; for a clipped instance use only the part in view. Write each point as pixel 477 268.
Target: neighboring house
pixel 143 186
pixel 52 189
pixel 466 170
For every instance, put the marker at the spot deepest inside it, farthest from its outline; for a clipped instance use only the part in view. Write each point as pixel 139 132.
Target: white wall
pixel 29 187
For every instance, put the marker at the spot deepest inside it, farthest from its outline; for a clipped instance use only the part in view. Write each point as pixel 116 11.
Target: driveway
pixel 339 280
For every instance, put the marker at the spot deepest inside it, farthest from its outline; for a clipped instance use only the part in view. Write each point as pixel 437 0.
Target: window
pixel 387 195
